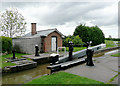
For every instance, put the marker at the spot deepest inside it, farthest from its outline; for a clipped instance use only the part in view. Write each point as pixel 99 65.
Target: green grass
pixel 112 79
pixel 3 59
pixel 109 43
pixel 76 49
pixel 7 64
pixel 63 78
pixel 116 55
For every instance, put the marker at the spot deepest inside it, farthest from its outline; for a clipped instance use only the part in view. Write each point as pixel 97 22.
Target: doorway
pixel 54 43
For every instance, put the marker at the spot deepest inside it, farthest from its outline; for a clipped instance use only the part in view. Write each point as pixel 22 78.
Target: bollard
pixel 70 50
pixel 13 51
pixel 53 58
pixel 89 53
pixel 36 50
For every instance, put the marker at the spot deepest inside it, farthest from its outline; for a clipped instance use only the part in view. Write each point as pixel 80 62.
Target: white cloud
pixel 67 15
pixel 110 30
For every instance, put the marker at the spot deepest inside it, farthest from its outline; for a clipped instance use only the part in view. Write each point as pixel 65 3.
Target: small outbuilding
pixel 47 40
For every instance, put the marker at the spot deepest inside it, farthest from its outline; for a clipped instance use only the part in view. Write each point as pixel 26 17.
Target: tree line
pixel 113 39
pixel 83 34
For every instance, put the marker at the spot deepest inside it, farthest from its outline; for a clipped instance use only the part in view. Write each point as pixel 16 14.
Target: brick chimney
pixel 33 28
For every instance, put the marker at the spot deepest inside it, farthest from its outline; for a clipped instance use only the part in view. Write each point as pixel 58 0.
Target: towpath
pixel 106 67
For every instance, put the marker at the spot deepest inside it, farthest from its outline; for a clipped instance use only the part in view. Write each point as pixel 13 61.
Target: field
pixel 76 48
pixel 110 43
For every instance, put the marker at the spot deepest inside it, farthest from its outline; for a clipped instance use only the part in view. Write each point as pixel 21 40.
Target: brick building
pixel 47 40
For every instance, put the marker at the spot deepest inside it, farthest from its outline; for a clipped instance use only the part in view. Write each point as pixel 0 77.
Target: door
pixel 53 43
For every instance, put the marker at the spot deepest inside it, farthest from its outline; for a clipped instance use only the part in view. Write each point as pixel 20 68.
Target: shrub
pixel 6 44
pixel 88 34
pixel 113 39
pixel 77 41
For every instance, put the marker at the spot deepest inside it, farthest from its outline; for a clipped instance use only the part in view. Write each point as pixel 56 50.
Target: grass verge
pixel 76 49
pixel 63 78
pixel 109 44
pixel 116 55
pixel 112 79
pixel 3 59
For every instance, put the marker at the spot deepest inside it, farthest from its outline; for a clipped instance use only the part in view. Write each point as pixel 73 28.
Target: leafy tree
pixel 75 39
pixel 6 44
pixel 88 34
pixel 12 23
pixel 66 40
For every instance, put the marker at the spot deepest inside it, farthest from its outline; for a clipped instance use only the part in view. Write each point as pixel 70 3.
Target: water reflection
pixel 23 76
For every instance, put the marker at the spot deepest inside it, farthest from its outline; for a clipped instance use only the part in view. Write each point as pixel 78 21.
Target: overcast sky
pixel 65 16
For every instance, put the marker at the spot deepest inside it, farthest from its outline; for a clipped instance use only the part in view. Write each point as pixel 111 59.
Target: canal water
pixel 24 76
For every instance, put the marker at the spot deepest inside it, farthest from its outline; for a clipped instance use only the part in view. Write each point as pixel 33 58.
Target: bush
pixel 113 39
pixel 77 41
pixel 88 34
pixel 6 44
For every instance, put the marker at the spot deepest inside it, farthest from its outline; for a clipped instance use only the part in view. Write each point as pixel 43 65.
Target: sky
pixel 66 15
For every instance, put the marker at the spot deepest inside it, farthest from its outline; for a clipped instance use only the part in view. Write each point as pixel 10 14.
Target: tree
pixel 97 36
pixel 75 39
pixel 88 34
pixel 12 23
pixel 66 40
pixel 6 44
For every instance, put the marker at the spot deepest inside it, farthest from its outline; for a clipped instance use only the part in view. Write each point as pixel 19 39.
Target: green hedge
pixel 113 39
pixel 6 44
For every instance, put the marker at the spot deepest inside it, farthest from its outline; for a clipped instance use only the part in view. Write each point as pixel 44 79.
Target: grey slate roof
pixel 41 33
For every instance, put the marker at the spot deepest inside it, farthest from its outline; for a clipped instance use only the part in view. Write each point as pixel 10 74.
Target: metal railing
pixel 62 48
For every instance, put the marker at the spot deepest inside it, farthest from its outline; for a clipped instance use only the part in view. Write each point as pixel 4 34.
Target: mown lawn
pixel 62 78
pixel 109 43
pixel 76 49
pixel 3 59
pixel 116 55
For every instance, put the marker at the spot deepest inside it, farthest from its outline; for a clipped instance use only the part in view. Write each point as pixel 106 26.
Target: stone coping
pixel 106 49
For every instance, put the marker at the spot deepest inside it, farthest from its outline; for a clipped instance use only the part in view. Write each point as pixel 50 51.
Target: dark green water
pixel 24 76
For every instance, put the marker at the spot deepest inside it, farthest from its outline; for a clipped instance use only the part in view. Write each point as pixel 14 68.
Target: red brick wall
pixel 47 41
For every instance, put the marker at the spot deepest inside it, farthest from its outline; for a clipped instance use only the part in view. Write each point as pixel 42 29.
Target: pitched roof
pixel 42 33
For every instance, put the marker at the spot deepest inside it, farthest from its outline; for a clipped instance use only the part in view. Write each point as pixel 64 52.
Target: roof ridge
pixel 46 30
pixel 43 32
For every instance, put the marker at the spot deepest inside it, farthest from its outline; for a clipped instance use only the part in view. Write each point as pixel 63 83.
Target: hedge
pixel 6 44
pixel 113 39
